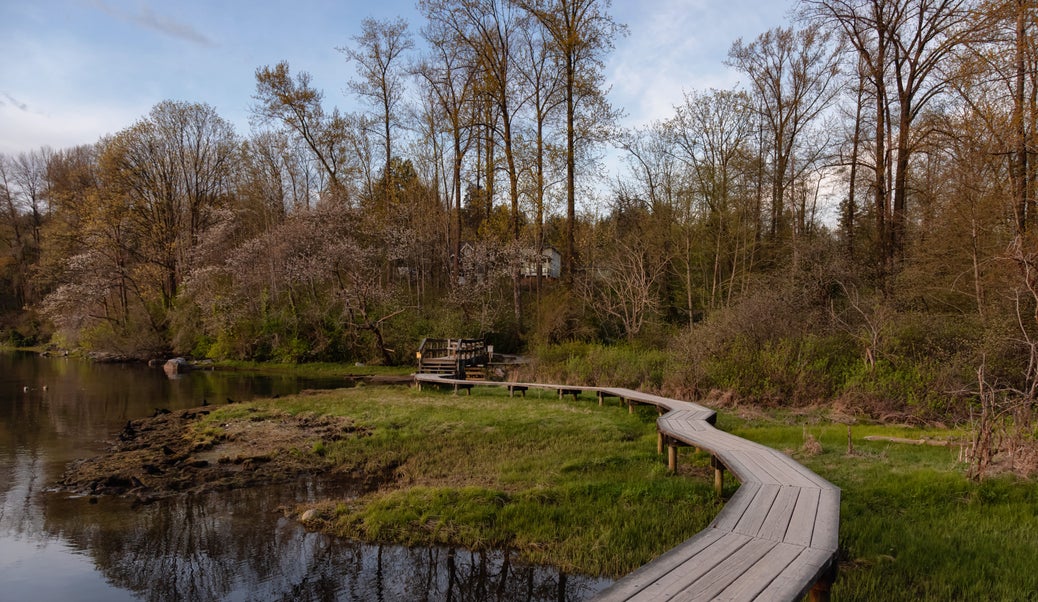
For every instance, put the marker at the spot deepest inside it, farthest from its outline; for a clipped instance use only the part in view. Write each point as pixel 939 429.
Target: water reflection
pixel 226 546
pixel 234 546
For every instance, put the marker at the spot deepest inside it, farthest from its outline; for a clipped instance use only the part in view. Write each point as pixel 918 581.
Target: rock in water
pixel 175 366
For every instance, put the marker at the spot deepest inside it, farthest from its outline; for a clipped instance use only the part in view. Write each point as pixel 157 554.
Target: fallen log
pixel 934 442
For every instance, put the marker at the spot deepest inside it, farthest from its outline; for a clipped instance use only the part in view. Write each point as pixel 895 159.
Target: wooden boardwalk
pixel 775 539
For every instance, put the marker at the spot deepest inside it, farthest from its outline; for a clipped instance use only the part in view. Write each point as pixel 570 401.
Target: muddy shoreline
pixel 182 452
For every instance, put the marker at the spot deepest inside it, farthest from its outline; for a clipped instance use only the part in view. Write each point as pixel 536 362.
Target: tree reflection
pixel 232 546
pixel 227 546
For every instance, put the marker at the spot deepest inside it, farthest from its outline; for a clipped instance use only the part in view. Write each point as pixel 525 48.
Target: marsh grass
pixel 912 525
pixel 563 482
pixel 580 486
pixel 314 369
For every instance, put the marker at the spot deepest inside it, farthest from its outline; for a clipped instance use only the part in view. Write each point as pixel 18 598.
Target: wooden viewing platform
pixel 775 539
pixel 454 358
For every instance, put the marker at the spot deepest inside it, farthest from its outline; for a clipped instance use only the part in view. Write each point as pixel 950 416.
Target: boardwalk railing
pixel 450 356
pixel 775 539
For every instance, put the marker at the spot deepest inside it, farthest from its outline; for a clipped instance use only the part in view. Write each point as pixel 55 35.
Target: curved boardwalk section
pixel 775 539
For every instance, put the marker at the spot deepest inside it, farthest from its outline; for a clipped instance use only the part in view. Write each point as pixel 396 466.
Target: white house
pixel 550 261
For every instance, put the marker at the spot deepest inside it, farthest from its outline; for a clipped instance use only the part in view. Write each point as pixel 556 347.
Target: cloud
pixel 148 18
pixel 60 126
pixel 670 50
pixel 14 101
pixel 680 46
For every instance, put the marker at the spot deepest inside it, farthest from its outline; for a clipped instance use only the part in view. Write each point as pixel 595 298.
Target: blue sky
pixel 75 70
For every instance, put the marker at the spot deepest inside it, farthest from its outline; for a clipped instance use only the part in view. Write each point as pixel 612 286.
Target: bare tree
pixel 11 229
pixel 449 74
pixel 543 80
pixel 295 104
pixel 793 74
pixel 173 167
pixel 625 289
pixel 901 46
pixel 378 54
pixel 30 176
pixel 710 136
pixel 581 33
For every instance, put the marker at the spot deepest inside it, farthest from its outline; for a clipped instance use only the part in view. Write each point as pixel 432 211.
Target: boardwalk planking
pixel 775 539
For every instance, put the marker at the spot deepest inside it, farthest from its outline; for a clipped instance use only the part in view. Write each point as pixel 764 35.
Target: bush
pixel 593 364
pixel 923 362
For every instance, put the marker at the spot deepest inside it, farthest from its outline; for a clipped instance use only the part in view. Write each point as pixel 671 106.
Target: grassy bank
pixel 315 369
pixel 912 526
pixel 581 487
pixel 563 482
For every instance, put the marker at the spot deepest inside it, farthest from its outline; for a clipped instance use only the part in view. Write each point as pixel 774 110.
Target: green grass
pixel 566 483
pixel 314 369
pixel 912 526
pixel 581 487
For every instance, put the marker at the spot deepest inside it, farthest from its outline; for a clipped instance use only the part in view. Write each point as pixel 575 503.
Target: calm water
pixel 226 546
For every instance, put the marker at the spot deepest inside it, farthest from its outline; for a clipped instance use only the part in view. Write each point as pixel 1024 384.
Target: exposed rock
pixel 176 366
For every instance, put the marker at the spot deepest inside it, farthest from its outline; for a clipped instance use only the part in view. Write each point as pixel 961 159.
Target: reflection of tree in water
pixel 233 546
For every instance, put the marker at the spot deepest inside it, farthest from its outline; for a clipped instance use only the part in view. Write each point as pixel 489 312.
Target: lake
pixel 224 546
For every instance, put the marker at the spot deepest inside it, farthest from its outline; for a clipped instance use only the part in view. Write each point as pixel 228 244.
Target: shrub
pixel 593 364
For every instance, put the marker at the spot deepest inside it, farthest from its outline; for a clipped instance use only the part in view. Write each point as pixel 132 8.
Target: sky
pixel 73 71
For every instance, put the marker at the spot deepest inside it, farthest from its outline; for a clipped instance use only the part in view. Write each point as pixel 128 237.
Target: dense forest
pixel 470 199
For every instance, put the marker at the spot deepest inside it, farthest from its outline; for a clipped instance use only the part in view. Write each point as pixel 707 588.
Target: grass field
pixel 912 526
pixel 580 486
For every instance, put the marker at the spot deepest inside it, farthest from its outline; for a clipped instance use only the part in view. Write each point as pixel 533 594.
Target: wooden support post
pixel 630 407
pixel 600 398
pixel 820 591
pixel 672 458
pixel 718 475
pixel 659 443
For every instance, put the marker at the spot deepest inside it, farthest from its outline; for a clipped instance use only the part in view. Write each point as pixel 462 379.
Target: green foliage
pixel 134 339
pixel 13 337
pixel 619 365
pixel 563 482
pixel 770 350
pixel 912 525
pixel 559 318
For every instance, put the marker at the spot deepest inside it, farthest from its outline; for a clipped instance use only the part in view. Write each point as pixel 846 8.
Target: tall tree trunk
pixel 1018 168
pixel 851 208
pixel 456 261
pixel 571 167
pixel 899 213
pixel 880 181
